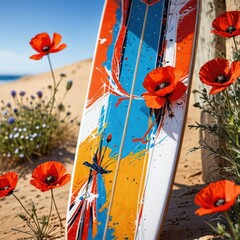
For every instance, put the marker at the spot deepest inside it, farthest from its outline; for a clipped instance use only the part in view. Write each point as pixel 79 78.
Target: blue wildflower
pixel 13 93
pixel 11 120
pixel 39 94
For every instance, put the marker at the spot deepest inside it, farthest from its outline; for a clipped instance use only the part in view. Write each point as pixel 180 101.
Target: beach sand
pixel 180 222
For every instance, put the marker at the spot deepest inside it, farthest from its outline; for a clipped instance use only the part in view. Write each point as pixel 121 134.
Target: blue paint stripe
pixel 138 121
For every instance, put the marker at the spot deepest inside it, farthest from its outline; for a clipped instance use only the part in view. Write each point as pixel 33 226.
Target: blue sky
pixel 76 20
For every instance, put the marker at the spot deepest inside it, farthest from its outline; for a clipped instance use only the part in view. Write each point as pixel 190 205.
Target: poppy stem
pixel 49 217
pixel 22 205
pixel 235 44
pixel 17 230
pixel 31 217
pixel 54 84
pixel 232 230
pixel 61 225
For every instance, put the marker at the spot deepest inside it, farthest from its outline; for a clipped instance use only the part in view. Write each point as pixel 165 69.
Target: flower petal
pixel 178 92
pixel 153 101
pixel 37 56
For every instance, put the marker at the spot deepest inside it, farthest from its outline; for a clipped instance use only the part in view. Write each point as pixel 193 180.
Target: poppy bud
pixel 62 75
pixel 69 85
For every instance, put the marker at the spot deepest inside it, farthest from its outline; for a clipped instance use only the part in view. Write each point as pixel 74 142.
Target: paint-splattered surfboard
pixel 131 131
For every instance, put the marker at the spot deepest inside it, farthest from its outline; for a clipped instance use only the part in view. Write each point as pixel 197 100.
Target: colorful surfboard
pixel 133 120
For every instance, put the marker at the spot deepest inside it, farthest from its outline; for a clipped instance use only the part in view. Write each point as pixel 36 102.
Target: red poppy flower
pixel 216 197
pixel 44 45
pixel 8 183
pixel 49 175
pixel 219 74
pixel 227 24
pixel 163 84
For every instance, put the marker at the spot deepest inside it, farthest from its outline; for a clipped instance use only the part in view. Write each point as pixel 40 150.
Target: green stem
pixel 22 205
pixel 37 222
pixel 235 44
pixel 17 230
pixel 25 209
pixel 54 84
pixel 49 216
pixel 56 209
pixel 232 230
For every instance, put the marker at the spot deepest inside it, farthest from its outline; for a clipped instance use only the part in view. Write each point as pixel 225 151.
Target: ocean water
pixel 9 78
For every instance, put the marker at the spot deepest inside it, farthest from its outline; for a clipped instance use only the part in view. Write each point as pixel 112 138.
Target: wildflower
pixel 49 175
pixel 22 93
pixel 39 94
pixel 13 93
pixel 16 135
pixel 44 45
pixel 62 75
pixel 163 84
pixel 8 183
pixel 11 120
pixel 227 24
pixel 9 105
pixel 61 107
pixel 217 197
pixel 34 135
pixel 5 113
pixel 219 74
pixel 69 85
pixel 15 110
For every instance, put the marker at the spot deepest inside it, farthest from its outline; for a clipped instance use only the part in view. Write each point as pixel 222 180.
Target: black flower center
pixel 45 48
pixel 221 79
pixel 231 29
pixel 219 202
pixel 50 179
pixel 4 188
pixel 162 85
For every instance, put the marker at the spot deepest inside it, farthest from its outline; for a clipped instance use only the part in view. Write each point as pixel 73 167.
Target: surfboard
pixel 127 152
